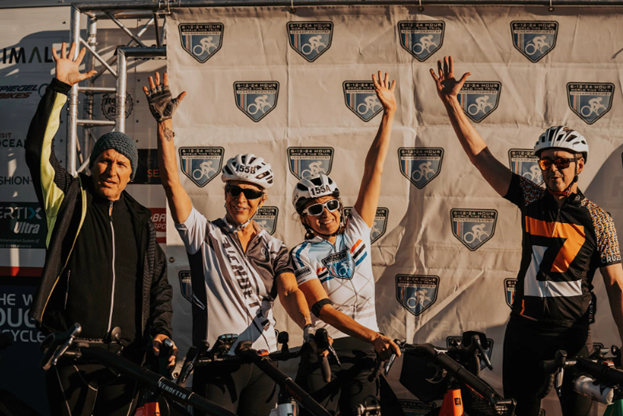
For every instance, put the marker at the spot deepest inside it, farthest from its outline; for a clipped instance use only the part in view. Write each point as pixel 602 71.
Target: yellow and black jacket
pixel 65 201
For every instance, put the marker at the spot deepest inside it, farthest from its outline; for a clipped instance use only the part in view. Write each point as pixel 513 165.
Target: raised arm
pixel 370 189
pixel 162 106
pixel 494 172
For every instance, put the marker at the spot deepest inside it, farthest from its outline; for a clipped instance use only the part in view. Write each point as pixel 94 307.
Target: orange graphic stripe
pixel 352 250
pixel 573 234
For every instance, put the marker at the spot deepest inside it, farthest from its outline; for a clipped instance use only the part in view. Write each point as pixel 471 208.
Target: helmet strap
pixel 234 225
pixel 567 190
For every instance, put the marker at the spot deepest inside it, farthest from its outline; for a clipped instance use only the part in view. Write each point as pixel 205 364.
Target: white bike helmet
pixel 562 137
pixel 315 186
pixel 248 168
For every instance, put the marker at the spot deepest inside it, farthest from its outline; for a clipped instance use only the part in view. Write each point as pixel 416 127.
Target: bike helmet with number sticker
pixel 562 137
pixel 312 187
pixel 248 168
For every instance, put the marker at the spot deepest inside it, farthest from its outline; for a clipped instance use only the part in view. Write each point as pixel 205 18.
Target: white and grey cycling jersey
pixel 345 271
pixel 233 290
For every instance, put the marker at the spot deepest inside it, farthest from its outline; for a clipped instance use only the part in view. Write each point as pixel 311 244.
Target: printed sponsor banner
pixel 201 40
pixel 416 293
pixel 256 98
pixel 310 39
pixel 456 341
pixel 9 140
pixel 590 101
pixel 22 225
pixel 416 407
pixel 525 163
pixel 473 227
pixel 421 38
pixel 360 98
pixel 305 162
pixel 380 222
pixel 109 105
pixel 159 218
pixel 534 39
pixel 479 99
pixel 147 171
pixel 201 164
pixel 509 291
pixel 22 91
pixel 266 217
pixel 15 302
pixel 420 164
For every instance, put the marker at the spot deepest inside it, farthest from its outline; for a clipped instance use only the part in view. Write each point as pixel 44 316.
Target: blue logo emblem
pixel 310 161
pixel 361 99
pixel 416 293
pixel 256 99
pixel 201 164
pixel 534 39
pixel 420 164
pixel 266 217
pixel 454 342
pixel 472 227
pixel 479 99
pixel 421 38
pixel 340 265
pixel 380 222
pixel 509 287
pixel 310 39
pixel 524 163
pixel 416 408
pixel 590 102
pixel 201 40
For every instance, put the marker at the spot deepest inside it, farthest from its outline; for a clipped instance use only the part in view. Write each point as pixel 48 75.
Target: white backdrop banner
pixel 296 90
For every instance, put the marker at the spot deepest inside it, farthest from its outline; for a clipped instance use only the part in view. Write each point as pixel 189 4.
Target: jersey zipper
pixel 112 292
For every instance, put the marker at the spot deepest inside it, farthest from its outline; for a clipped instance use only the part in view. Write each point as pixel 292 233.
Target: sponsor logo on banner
pixel 15 180
pixel 7 140
pixel 420 164
pixel 201 40
pixel 27 55
pixel 310 161
pixel 15 303
pixel 266 217
pixel 361 99
pixel 525 163
pixel 473 227
pixel 421 38
pixel 109 105
pixel 201 164
pixel 256 99
pixel 186 287
pixel 380 222
pixel 310 39
pixel 454 342
pixel 22 225
pixel 159 218
pixel 8 92
pixel 416 408
pixel 534 39
pixel 416 293
pixel 589 101
pixel 147 172
pixel 509 291
pixel 479 99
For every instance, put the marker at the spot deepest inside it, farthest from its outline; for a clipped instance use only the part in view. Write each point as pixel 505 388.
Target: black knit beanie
pixel 120 142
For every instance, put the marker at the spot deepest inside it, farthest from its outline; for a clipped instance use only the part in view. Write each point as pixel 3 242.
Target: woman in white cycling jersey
pixel 334 270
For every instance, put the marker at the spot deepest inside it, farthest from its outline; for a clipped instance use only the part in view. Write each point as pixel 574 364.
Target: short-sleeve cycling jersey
pixel 233 291
pixel 345 271
pixel 561 249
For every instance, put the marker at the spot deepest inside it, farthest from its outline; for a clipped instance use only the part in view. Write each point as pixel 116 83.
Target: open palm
pixel 67 69
pixel 447 86
pixel 385 91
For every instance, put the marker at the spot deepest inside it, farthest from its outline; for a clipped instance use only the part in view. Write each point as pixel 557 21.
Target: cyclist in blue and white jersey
pixel 566 238
pixel 334 271
pixel 237 268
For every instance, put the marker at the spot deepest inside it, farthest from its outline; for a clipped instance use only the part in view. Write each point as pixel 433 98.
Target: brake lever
pixel 58 353
pixel 482 351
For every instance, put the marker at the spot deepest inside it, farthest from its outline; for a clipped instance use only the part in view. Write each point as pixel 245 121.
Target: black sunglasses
pixel 235 191
pixel 317 209
pixel 559 162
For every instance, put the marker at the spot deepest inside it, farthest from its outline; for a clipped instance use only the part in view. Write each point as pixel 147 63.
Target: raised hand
pixel 447 86
pixel 161 103
pixel 385 92
pixel 67 69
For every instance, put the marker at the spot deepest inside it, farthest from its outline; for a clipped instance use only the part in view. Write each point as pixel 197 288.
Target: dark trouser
pixel 349 384
pixel 526 344
pixel 241 388
pixel 85 389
